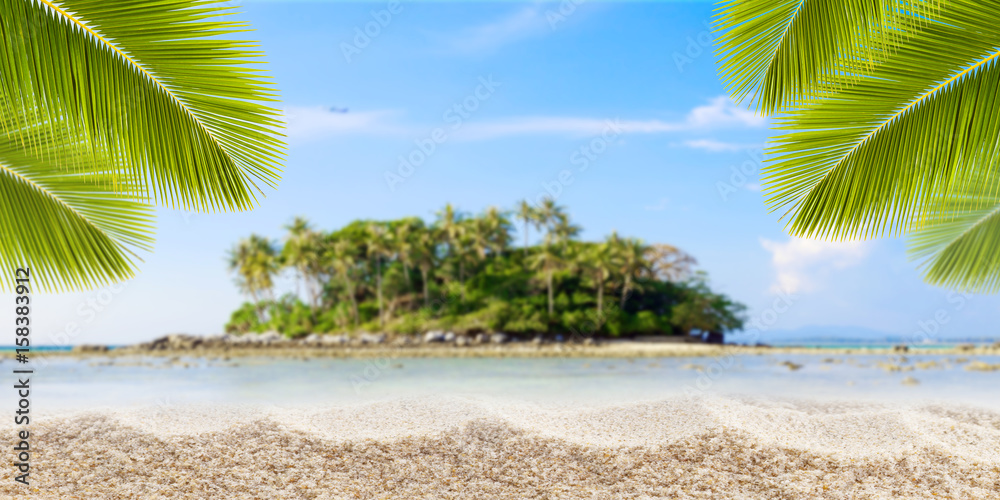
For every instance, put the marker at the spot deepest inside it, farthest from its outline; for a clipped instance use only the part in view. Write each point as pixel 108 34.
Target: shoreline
pixel 613 349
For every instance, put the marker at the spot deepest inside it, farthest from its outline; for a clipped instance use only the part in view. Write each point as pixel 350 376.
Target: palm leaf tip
pixel 72 234
pixel 959 249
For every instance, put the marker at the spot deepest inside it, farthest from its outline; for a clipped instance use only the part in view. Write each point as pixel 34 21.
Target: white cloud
pixel 722 111
pixel 659 206
pixel 801 265
pixel 520 24
pixel 308 123
pixel 715 146
pixel 579 127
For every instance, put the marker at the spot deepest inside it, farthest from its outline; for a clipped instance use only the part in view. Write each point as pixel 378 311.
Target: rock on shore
pixel 182 342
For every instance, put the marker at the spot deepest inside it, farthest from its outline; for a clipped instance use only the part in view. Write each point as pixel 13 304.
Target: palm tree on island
pixel 255 262
pixel 468 283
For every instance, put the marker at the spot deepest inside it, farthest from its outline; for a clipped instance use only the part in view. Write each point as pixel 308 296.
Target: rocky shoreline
pixel 448 344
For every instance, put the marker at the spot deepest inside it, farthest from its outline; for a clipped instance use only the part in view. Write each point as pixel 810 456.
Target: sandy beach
pixel 463 448
pixel 515 420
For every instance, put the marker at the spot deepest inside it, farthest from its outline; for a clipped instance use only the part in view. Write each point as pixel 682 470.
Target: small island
pixel 462 275
pixel 460 287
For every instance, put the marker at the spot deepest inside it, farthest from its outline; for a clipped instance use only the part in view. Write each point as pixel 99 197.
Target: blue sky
pixel 615 109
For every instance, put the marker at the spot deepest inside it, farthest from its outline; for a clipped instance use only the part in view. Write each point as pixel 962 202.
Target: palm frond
pixel 778 51
pixel 872 156
pixel 72 232
pixel 958 249
pixel 888 118
pixel 154 86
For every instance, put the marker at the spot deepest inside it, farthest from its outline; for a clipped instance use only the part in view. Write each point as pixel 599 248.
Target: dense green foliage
pixel 461 273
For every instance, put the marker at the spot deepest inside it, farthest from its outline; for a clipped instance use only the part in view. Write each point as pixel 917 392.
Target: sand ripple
pixel 469 448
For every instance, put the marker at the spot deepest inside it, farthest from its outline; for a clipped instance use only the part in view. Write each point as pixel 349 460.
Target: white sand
pixel 464 448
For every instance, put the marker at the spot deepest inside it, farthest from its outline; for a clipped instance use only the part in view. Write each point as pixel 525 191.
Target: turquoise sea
pixel 62 383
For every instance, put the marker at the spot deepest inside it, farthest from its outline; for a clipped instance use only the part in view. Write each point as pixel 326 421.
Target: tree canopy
pixel 461 272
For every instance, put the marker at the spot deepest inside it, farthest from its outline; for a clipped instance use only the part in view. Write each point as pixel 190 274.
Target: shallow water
pixel 71 384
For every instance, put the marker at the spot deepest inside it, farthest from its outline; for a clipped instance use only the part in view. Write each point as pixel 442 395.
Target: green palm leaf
pixel 778 51
pixel 107 107
pixel 890 132
pixel 869 158
pixel 957 247
pixel 154 85
pixel 72 231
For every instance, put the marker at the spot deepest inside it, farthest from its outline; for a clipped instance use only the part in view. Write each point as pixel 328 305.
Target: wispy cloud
pixel 556 125
pixel 659 206
pixel 311 123
pixel 720 112
pixel 520 24
pixel 801 265
pixel 715 146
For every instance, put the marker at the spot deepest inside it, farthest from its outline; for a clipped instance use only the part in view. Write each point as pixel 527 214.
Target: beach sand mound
pixel 460 448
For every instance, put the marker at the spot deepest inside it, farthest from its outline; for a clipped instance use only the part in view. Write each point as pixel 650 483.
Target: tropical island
pixel 463 273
